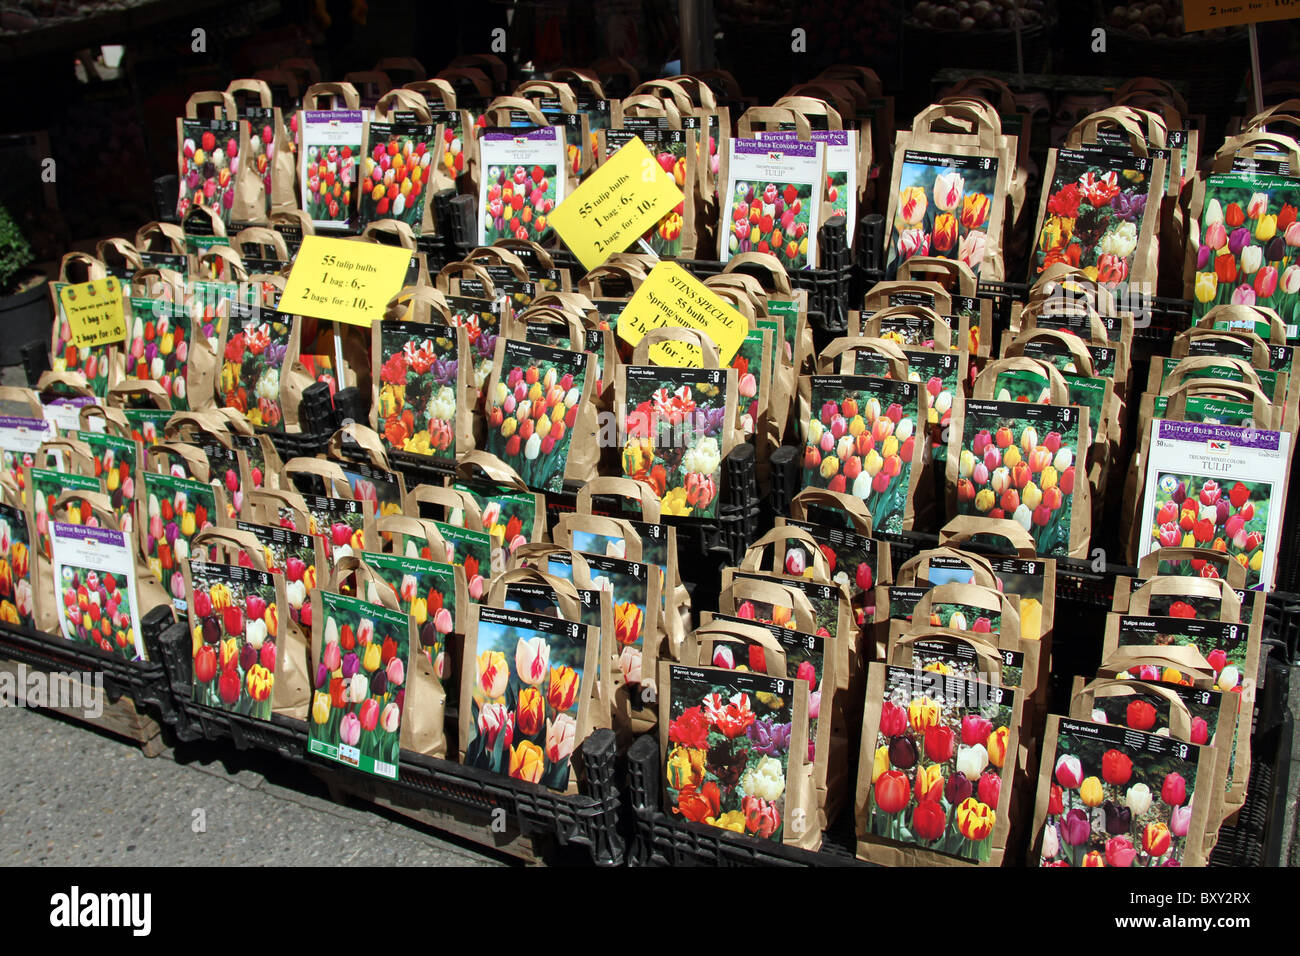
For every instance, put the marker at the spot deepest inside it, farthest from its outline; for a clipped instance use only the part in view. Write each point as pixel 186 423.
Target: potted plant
pixel 26 313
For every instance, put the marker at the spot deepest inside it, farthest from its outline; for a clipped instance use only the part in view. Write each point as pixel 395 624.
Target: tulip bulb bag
pixel 358 720
pixel 523 179
pixel 433 593
pixel 45 486
pixel 734 747
pixel 525 706
pixel 17 567
pixel 176 510
pixel 256 355
pixel 329 179
pixel 926 732
pixel 396 170
pixel 765 182
pixel 840 197
pixel 300 557
pixel 421 406
pixel 675 150
pixel 162 346
pixel 1143 783
pixel 209 156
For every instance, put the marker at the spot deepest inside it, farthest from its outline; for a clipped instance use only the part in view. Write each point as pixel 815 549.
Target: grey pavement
pixel 78 797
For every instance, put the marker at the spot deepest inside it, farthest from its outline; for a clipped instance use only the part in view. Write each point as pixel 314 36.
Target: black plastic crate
pixel 663 840
pixel 589 819
pixel 146 683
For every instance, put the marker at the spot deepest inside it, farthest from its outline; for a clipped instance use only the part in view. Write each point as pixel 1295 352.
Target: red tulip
pixel 1156 839
pixel 369 713
pixel 229 685
pixel 939 743
pixel 233 619
pixel 1055 801
pixel 990 789
pixel 893 791
pixel 1174 790
pixel 205 664
pixel 1218 659
pixel 893 719
pixel 1116 768
pixel 1140 715
pixel 1200 731
pixel 928 820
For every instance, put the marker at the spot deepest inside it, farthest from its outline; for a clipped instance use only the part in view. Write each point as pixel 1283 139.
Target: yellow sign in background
pixel 615 205
pixel 670 296
pixel 94 310
pixel 343 280
pixel 1203 15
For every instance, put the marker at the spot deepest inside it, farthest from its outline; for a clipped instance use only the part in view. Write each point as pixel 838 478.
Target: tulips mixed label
pixel 1018 461
pixel 943 207
pixel 16 596
pixel 293 554
pixel 939 764
pixel 851 558
pixel 730 737
pixel 94 576
pixel 115 463
pixel 675 422
pixel 533 409
pixel 251 366
pixel 1093 214
pixel 1212 487
pixel 526 700
pixel 331 146
pixel 234 623
pixel 47 486
pixel 176 510
pixel 1224 645
pixel 1249 252
pixel 772 200
pixel 860 440
pixel 92 361
pixel 937 371
pixel 522 180
pixel 361 664
pixel 426 590
pixel 209 164
pixel 1117 797
pixel 418 389
pixel 395 173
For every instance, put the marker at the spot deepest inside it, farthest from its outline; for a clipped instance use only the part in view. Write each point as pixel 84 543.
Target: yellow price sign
pixel 1202 15
pixel 615 205
pixel 94 311
pixel 670 296
pixel 343 280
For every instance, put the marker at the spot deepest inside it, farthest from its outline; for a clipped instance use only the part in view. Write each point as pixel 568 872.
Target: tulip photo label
pixel 395 173
pixel 233 624
pixel 1225 645
pixel 17 605
pixel 208 161
pixel 851 558
pixel 146 424
pixel 157 347
pixel 937 761
pixel 668 147
pixel 426 590
pixel 509 517
pixel 629 585
pixel 772 201
pixel 942 208
pixel 1095 214
pixel 94 577
pixel 472 550
pixel 482 324
pixel 419 381
pixel 841 148
pixel 251 364
pixel 177 510
pixel 675 422
pixel 341 522
pixel 957 658
pixel 1249 252
pixel 523 695
pixel 860 440
pixel 115 463
pixel 356 719
pixel 20 440
pixel 293 554
pixel 521 180
pixel 1113 796
pixel 1218 487
pixel 47 485
pixel 824 598
pixel 330 145
pixel 729 741
pixel 1018 460
pixel 938 372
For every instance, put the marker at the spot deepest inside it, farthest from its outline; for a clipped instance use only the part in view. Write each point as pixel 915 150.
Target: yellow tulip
pixel 527 761
pixel 685 767
pixel 320 707
pixel 984 499
pixel 1091 793
pixel 1266 228
pixel 997 745
pixel 873 464
pixel 1207 286
pixel 923 713
pixel 880 764
pixel 733 820
pixel 373 656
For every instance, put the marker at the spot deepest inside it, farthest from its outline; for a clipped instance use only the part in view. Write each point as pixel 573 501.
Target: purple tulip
pixel 1119 818
pixel 708 420
pixel 1238 239
pixel 957 789
pixel 902 752
pixel 171 532
pixel 1075 828
pixel 1275 250
pixel 1128 207
pixel 378 683
pixel 444 370
pixel 322 676
pixel 350 664
pixel 247 657
pixel 1203 258
pixel 768 738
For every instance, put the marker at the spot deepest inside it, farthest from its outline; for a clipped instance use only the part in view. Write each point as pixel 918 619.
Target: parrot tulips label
pixel 177 510
pixel 943 207
pixel 47 486
pixel 1093 215
pixel 524 694
pixel 360 664
pixel 532 409
pixel 17 604
pixel 937 757
pixel 395 174
pixel 426 590
pixel 1249 252
pixel 331 145
pixel 1226 647
pixel 1110 795
pixel 251 364
pixel 732 742
pixel 522 179
pixel 234 623
pixel 1217 487
pixel 94 576
pixel 675 422
pixel 1017 460
pixel 772 200
pixel 115 464
pixel 158 347
pixel 209 163
pixel 419 385
pixel 292 554
pixel 860 440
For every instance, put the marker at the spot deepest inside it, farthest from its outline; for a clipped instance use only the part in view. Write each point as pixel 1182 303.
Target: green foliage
pixel 15 253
